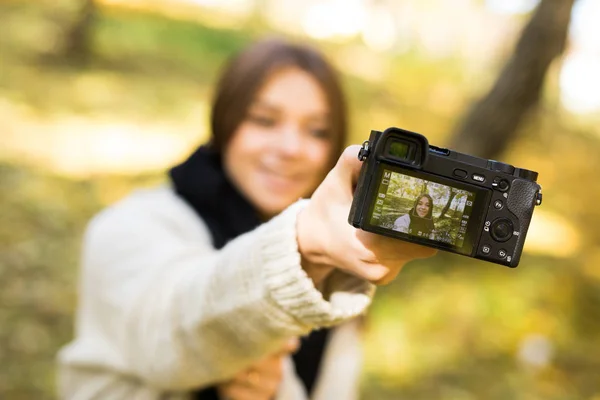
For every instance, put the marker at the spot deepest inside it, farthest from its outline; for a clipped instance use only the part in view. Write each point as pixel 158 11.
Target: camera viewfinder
pixel 399 150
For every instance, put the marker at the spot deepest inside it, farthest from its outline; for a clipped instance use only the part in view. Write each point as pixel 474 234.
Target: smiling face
pixel 423 207
pixel 282 149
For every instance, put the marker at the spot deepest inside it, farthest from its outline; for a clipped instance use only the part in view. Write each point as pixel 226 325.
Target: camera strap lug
pixel 364 151
pixel 538 198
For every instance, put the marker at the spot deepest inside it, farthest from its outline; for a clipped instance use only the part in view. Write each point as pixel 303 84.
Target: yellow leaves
pixel 552 234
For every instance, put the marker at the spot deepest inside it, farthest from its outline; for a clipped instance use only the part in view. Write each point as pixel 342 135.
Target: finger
pixel 415 251
pixel 270 368
pixel 392 274
pixel 390 248
pixel 238 391
pixel 348 166
pixel 291 346
pixel 376 274
pixel 371 272
pixel 261 383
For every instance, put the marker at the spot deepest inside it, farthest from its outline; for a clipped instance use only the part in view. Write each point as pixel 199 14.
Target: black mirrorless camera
pixel 440 198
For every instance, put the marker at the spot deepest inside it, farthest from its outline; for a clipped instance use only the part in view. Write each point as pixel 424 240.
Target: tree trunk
pixel 447 206
pixel 77 45
pixel 493 121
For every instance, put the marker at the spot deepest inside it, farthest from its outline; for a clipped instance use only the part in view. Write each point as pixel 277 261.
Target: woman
pixel 419 220
pixel 200 288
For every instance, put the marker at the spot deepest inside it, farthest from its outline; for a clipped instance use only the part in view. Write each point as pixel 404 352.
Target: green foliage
pixel 41 227
pixel 448 328
pixel 151 42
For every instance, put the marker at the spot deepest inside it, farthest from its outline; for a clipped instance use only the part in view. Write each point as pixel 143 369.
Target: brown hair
pixel 245 74
pixel 430 212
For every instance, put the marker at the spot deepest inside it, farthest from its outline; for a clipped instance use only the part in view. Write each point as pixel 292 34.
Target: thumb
pixel 348 167
pixel 291 346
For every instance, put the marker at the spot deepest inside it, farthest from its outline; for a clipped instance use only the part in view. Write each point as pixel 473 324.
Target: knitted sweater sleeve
pixel 160 304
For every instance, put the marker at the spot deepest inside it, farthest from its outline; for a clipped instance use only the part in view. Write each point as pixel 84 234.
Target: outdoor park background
pixel 82 126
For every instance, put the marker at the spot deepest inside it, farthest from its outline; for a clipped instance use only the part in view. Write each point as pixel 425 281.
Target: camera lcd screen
pixel 420 207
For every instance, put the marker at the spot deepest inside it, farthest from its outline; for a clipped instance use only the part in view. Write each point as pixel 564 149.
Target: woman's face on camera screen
pixel 423 207
pixel 281 151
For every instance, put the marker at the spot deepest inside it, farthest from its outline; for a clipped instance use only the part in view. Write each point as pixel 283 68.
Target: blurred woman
pixel 419 220
pixel 200 289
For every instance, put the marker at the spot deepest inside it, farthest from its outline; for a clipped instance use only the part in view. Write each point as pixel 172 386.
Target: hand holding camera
pixel 327 241
pixel 426 196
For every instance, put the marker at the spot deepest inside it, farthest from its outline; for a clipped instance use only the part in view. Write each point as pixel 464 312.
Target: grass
pixel 448 328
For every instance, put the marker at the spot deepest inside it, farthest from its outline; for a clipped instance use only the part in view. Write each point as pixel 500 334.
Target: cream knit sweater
pixel 161 312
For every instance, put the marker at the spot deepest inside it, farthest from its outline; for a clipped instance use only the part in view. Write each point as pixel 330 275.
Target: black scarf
pixel 420 224
pixel 203 184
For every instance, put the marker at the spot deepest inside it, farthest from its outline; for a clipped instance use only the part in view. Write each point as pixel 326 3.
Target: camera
pixel 410 190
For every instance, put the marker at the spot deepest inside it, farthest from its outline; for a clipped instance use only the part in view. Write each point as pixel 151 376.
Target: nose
pixel 289 140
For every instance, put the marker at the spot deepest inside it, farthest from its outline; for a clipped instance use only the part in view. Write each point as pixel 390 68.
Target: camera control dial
pixel 501 167
pixel 502 229
pixel 501 184
pixel 527 174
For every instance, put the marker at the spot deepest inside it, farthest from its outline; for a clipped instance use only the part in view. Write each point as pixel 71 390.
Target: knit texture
pixel 162 311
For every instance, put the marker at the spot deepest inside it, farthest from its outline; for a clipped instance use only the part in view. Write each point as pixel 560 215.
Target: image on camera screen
pixel 422 208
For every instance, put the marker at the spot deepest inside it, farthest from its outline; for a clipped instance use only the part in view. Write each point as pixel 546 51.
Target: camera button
pixel 486 249
pixel 498 204
pixel 501 230
pixel 501 184
pixel 478 177
pixel 502 253
pixel 460 173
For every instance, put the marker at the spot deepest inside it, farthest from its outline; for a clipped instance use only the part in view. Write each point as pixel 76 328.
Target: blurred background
pixel 100 97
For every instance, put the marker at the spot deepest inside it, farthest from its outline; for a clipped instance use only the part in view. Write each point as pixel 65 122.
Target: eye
pixel 266 121
pixel 319 132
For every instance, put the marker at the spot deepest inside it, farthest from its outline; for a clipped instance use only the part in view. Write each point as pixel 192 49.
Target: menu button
pixel 478 178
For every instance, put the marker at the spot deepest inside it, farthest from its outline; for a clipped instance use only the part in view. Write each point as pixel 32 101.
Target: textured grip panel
pixel 359 195
pixel 521 203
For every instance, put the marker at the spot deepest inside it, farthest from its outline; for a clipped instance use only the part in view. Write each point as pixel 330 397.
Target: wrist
pixel 317 272
pixel 312 256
